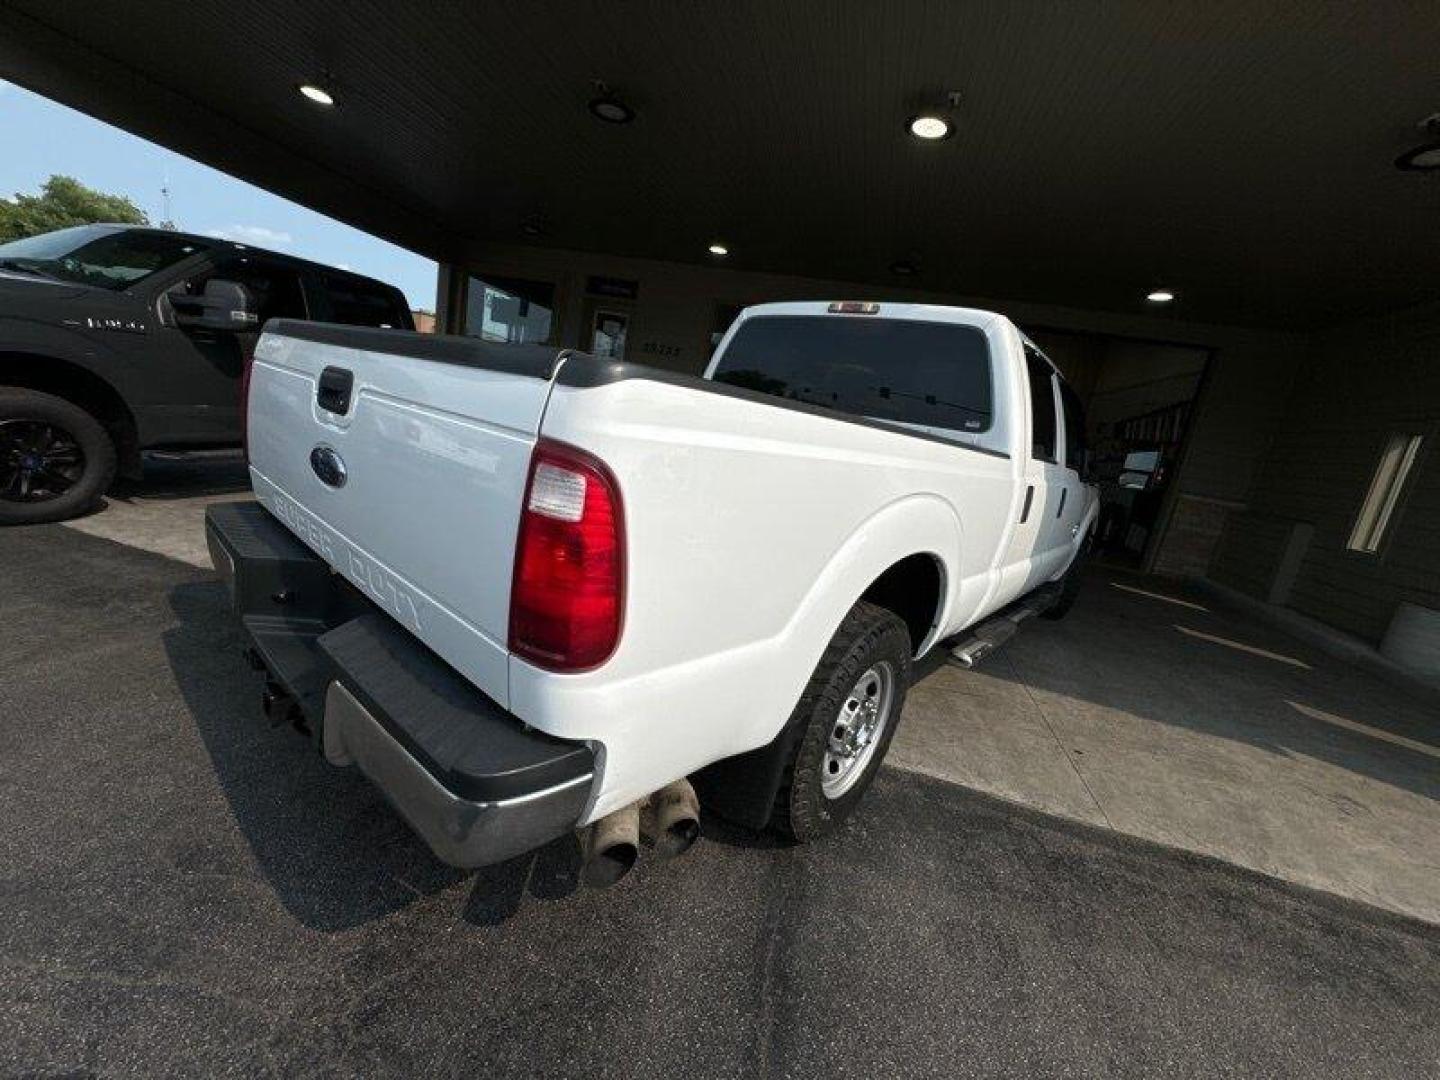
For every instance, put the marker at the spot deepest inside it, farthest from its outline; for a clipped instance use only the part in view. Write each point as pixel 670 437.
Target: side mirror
pixel 225 305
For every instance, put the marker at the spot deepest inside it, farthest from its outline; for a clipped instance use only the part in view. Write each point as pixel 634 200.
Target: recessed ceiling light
pixel 1426 156
pixel 317 94
pixel 1421 159
pixel 611 110
pixel 929 127
pixel 1160 296
pixel 719 249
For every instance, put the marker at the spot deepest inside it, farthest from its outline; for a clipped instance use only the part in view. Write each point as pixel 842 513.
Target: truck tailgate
pixel 401 459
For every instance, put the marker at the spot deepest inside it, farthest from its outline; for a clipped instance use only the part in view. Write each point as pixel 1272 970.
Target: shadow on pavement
pixel 185 478
pixel 1204 668
pixel 336 853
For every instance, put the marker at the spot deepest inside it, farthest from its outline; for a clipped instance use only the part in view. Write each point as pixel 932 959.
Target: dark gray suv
pixel 116 339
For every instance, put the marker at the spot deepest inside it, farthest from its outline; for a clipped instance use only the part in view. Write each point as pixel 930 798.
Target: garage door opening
pixel 1138 397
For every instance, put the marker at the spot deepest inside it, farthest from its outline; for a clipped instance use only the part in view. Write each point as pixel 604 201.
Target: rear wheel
pixel 844 722
pixel 56 460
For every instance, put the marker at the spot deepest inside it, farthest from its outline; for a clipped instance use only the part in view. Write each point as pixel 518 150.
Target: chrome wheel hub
pixel 857 729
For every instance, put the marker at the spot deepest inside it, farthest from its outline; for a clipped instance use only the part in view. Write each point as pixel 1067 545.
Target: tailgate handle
pixel 333 393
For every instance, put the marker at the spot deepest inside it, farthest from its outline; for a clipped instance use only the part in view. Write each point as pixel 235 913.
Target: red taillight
pixel 568 594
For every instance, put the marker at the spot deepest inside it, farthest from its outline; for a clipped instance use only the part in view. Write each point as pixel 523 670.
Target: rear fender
pixel 743 788
pixel 914 525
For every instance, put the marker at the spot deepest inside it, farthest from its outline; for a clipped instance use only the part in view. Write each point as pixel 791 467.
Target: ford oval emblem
pixel 328 466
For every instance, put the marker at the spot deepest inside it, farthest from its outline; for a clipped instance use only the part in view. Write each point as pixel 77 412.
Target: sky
pixel 42 138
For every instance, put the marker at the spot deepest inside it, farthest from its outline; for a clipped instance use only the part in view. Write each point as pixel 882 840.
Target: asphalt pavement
pixel 185 890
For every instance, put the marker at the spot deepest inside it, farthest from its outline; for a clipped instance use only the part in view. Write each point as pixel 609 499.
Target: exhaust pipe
pixel 672 818
pixel 610 847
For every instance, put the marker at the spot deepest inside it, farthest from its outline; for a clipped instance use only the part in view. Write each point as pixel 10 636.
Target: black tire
pixel 868 637
pixel 56 460
pixel 1069 585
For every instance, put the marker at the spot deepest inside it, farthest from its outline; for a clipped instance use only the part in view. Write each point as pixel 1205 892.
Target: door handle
pixel 1063 492
pixel 1029 497
pixel 333 392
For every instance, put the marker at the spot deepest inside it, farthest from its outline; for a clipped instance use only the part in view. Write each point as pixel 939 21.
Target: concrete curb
pixel 1328 640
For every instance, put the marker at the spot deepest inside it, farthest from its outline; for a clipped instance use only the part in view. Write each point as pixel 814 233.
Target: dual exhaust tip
pixel 611 846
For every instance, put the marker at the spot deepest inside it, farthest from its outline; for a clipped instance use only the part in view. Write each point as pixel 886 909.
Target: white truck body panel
pixel 425 524
pixel 751 528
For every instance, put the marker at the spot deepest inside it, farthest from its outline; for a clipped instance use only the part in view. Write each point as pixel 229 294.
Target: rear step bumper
pixel 475 783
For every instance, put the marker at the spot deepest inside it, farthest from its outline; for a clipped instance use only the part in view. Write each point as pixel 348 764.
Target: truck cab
pixel 116 339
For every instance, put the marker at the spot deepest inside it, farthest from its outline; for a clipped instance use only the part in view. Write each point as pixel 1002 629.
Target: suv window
pixel 928 374
pixel 1042 405
pixel 357 302
pixel 275 286
pixel 113 259
pixel 1074 427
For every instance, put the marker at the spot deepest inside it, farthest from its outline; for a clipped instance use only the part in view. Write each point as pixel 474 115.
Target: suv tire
pixel 859 683
pixel 56 460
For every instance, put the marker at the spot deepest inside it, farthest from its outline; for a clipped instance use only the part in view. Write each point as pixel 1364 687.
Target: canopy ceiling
pixel 1238 153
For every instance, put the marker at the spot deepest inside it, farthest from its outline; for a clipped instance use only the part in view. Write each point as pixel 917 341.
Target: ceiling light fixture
pixel 719 250
pixel 930 127
pixel 1426 156
pixel 317 94
pixel 1160 296
pixel 606 107
pixel 935 124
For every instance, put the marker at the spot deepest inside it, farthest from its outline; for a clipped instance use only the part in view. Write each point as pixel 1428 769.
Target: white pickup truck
pixel 524 589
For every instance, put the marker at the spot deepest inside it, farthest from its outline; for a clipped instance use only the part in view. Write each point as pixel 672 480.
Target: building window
pixel 1384 494
pixel 510 310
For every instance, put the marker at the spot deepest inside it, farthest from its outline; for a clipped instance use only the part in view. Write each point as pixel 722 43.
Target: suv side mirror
pixel 225 305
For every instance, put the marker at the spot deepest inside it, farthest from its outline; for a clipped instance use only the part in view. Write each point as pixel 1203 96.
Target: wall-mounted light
pixel 719 250
pixel 1160 296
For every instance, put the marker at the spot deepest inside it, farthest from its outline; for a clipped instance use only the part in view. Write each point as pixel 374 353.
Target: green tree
pixel 64 201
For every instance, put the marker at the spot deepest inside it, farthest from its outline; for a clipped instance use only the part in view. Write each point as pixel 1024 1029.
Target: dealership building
pixel 1220 221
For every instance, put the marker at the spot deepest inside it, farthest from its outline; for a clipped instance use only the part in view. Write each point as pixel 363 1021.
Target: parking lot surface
pixel 185 890
pixel 1153 711
pixel 1150 710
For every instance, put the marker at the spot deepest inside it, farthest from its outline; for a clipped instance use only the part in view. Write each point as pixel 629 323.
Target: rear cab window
pixel 358 301
pixel 932 376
